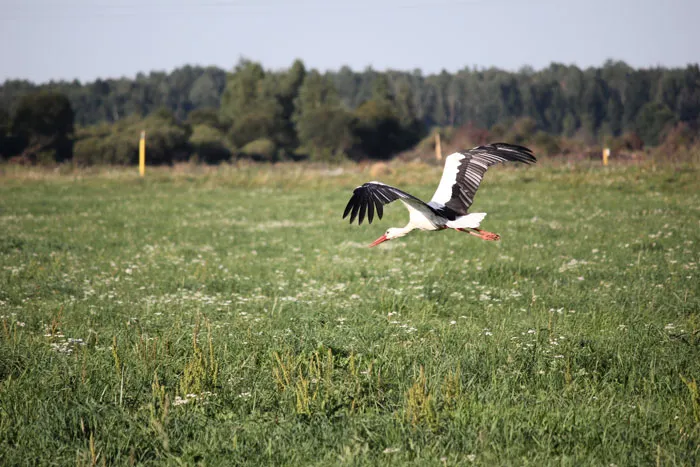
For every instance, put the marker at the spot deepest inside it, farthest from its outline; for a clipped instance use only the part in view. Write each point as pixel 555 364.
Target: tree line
pixel 211 114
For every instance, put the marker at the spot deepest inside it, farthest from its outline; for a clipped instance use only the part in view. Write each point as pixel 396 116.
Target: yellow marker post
pixel 606 154
pixel 438 147
pixel 142 154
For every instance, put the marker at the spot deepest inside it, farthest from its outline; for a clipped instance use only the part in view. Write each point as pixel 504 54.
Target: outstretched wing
pixel 374 195
pixel 464 171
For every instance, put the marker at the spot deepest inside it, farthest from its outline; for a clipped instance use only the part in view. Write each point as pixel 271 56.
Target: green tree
pixel 378 126
pixel 205 116
pixel 207 88
pixel 594 102
pixel 209 144
pixel 614 113
pixel 5 122
pixel 249 106
pixel 590 103
pixel 167 140
pixel 438 100
pixel 44 123
pixel 381 90
pixel 323 126
pixel 345 82
pixel 653 119
pixel 688 100
pixel 287 90
pixel 378 129
pixel 405 109
pixel 555 110
pixel 513 101
pixel 636 95
pixel 5 127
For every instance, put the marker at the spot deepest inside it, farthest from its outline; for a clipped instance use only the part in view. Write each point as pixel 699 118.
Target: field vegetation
pixel 228 316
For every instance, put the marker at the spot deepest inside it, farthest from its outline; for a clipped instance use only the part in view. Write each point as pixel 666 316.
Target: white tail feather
pixel 470 221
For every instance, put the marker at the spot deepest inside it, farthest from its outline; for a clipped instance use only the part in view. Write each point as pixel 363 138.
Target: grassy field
pixel 230 317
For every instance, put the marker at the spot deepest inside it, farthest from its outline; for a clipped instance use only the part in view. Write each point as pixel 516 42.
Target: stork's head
pixel 392 233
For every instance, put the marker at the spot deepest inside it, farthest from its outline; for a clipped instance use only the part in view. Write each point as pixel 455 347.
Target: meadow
pixel 229 316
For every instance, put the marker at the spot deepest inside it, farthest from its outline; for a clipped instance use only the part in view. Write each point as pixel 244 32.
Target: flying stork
pixel 448 208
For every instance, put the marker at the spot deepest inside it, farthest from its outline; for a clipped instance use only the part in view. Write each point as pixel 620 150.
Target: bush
pixel 546 144
pixel 209 145
pixel 522 131
pixel 43 122
pixel 262 149
pixel 208 117
pixel 652 121
pixel 167 141
pixel 89 151
pixel 627 142
pixel 679 137
pixel 326 133
pixel 379 132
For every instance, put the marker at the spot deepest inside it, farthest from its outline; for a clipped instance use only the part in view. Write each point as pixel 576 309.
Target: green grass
pixel 575 340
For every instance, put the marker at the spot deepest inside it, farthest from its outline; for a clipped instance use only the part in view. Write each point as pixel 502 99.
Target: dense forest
pixel 210 114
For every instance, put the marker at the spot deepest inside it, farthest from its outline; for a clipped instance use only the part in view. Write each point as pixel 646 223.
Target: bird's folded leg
pixel 482 234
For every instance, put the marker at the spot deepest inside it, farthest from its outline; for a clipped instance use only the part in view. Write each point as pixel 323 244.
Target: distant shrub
pixel 262 149
pixel 209 144
pixel 679 137
pixel 167 141
pixel 208 117
pixel 44 123
pixel 378 130
pixel 89 151
pixel 652 121
pixel 522 130
pixel 546 144
pixel 326 133
pixel 626 142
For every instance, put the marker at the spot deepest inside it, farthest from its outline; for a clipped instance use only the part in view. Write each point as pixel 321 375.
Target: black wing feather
pixel 355 208
pixel 380 209
pixel 471 170
pixel 363 209
pixel 374 195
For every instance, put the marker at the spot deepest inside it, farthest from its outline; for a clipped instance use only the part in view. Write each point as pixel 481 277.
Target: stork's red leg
pixel 482 234
pixel 488 235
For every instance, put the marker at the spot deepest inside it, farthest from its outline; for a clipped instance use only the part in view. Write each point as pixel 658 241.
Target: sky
pixel 42 40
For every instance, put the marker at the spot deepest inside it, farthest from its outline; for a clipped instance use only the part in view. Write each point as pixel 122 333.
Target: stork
pixel 448 208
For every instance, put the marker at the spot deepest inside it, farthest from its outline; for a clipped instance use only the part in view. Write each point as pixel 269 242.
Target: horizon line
pixel 474 67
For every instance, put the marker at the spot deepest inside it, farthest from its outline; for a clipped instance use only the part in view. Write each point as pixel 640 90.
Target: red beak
pixel 378 241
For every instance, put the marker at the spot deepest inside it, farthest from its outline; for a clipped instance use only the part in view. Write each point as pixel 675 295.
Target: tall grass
pixel 228 316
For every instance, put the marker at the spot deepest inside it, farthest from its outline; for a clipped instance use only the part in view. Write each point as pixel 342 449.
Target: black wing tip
pixel 510 151
pixel 369 198
pixel 349 206
pixel 361 203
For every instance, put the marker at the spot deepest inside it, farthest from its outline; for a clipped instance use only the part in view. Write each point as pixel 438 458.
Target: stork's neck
pixel 401 231
pixel 407 228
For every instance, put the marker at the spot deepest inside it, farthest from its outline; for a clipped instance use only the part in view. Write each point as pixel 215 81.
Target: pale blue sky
pixel 65 39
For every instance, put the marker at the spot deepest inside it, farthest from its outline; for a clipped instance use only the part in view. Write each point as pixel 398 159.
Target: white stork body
pixel 448 208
